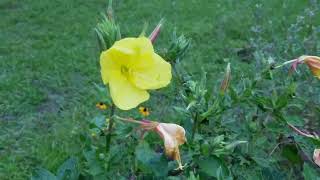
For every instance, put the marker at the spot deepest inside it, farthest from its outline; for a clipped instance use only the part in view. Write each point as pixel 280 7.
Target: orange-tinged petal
pixel 125 95
pixel 316 156
pixel 314 64
pixel 175 131
pixel 173 136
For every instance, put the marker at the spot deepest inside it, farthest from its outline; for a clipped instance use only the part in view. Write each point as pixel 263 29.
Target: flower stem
pixel 285 63
pixel 108 136
pixel 299 131
pixel 194 126
pixel 128 120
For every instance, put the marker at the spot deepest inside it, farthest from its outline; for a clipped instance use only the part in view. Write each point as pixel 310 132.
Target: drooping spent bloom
pixel 131 67
pixel 173 136
pixel 316 156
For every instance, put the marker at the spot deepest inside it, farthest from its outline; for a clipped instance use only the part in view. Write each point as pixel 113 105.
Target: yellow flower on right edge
pixel 313 63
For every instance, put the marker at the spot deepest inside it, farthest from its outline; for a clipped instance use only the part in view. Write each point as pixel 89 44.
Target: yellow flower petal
pixel 133 52
pixel 108 65
pixel 124 95
pixel 156 76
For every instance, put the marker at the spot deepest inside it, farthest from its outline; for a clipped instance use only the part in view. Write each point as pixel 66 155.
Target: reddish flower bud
pixel 153 36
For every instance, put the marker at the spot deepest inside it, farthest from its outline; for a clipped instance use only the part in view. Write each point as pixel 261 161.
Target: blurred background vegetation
pixel 49 65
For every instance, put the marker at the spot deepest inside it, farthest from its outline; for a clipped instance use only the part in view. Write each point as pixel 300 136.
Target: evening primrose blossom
pixel 131 67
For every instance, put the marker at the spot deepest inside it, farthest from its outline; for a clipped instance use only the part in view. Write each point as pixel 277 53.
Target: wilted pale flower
pixel 316 156
pixel 131 67
pixel 173 136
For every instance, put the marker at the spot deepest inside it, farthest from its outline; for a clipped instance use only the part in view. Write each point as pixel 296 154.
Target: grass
pixel 49 61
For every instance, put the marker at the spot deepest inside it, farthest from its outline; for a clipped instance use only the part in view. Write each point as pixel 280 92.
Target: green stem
pixel 285 63
pixel 108 136
pixel 194 126
pixel 128 120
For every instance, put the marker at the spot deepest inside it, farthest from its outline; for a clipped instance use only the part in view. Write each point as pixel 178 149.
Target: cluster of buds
pixel 173 136
pixel 178 47
pixel 107 31
pixel 313 62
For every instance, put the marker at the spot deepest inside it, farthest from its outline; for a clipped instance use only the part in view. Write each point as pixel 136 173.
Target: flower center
pixel 124 70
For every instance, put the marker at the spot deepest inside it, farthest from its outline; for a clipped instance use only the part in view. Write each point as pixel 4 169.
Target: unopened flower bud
pixel 153 36
pixel 225 83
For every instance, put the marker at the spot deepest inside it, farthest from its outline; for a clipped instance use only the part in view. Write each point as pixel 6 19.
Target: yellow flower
pixel 173 136
pixel 314 64
pixel 144 111
pixel 131 67
pixel 316 156
pixel 101 106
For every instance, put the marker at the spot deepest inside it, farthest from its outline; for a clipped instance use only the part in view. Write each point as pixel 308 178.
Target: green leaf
pixel 210 166
pixel 93 163
pixel 43 174
pixel 192 176
pixel 295 120
pixel 282 102
pixel 68 170
pixel 151 161
pixel 309 173
pixel 233 94
pixel 99 121
pixel 290 151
